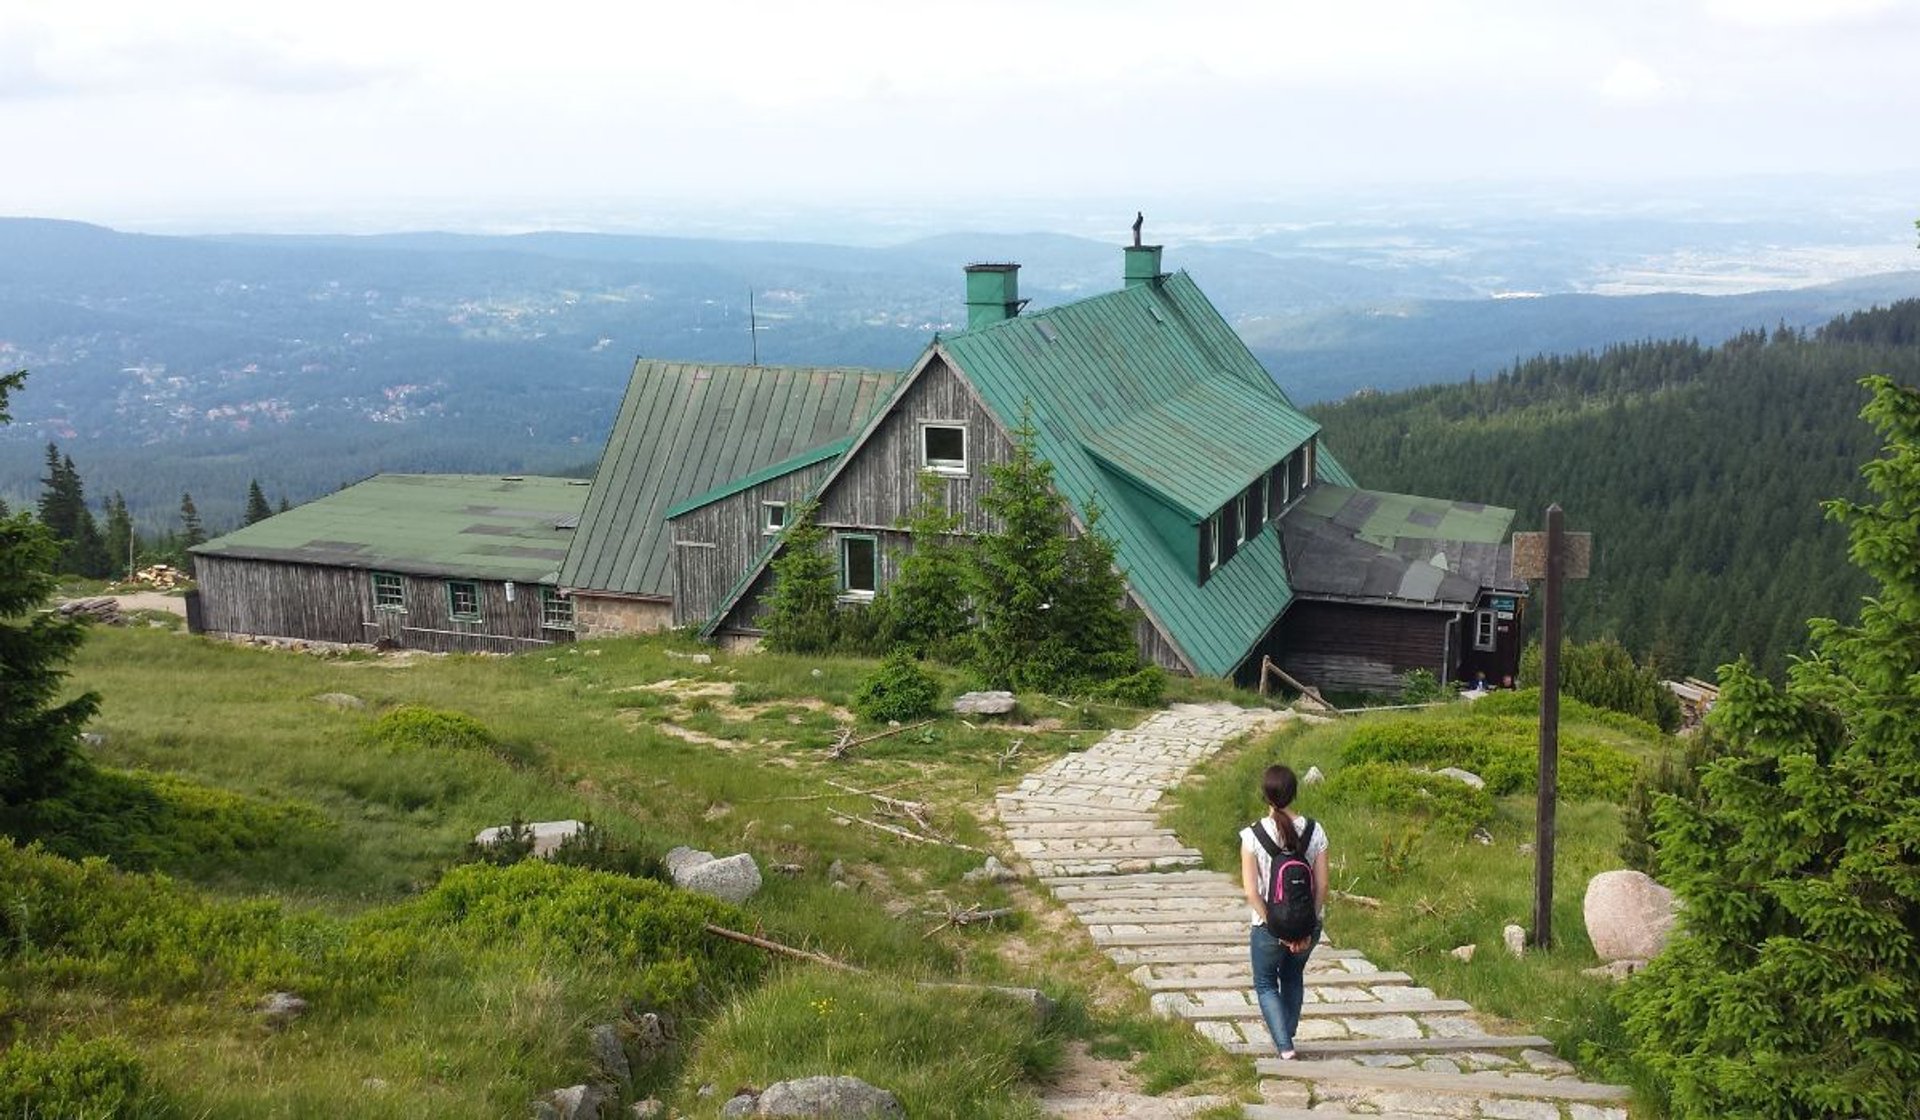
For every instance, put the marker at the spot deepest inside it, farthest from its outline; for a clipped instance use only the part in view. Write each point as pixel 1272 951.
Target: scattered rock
pixel 98 608
pixel 733 879
pixel 1526 849
pixel 739 1106
pixel 1462 953
pixel 815 673
pixel 837 871
pixel 1629 916
pixel 650 1036
pixel 826 1096
pixel 1459 775
pixel 703 659
pixel 648 1109
pixel 547 835
pixel 374 1084
pixel 1313 776
pixel 1614 970
pixel 983 703
pixel 684 858
pixel 788 869
pixel 577 1102
pixel 1482 836
pixel 610 1056
pixel 93 738
pixel 841 885
pixel 1516 939
pixel 344 701
pixel 992 871
pixel 281 1008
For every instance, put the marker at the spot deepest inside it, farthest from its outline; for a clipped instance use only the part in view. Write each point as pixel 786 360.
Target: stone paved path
pixel 1371 1042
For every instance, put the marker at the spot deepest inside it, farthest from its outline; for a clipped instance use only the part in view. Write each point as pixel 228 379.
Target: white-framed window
pixel 463 600
pixel 1256 516
pixel 1308 465
pixel 859 567
pixel 389 592
pixel 1210 543
pixel 556 610
pixel 1240 530
pixel 1279 481
pixel 773 517
pixel 1484 634
pixel 943 447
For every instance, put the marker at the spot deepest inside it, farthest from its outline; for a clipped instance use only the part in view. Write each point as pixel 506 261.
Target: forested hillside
pixel 1699 469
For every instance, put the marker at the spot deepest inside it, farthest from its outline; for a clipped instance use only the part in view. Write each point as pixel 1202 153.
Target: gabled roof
pixel 1396 549
pixel 478 526
pixel 748 481
pixel 688 429
pixel 1149 406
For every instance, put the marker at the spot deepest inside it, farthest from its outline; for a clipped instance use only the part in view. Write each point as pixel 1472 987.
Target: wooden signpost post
pixel 1552 556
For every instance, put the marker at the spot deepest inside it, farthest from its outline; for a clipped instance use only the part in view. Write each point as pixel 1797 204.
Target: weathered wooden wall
pixel 881 486
pixel 312 602
pixel 714 545
pixel 1351 647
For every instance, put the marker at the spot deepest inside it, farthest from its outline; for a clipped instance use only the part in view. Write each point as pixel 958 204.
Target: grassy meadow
pixel 264 830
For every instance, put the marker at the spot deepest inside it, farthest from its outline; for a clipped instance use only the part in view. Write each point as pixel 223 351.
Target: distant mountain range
pixel 164 364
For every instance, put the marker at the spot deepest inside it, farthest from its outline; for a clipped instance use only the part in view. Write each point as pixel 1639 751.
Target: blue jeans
pixel 1279 983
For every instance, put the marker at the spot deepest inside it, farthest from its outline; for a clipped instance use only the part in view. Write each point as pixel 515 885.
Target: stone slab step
pixel 1150 940
pixel 1086 868
pixel 1142 877
pixel 1275 1112
pixel 1236 953
pixel 1052 827
pixel 1135 797
pixel 1096 775
pixel 1347 1047
pixel 1072 808
pixel 1101 847
pixel 1359 1010
pixel 1323 979
pixel 1422 1081
pixel 1096 893
pixel 1161 917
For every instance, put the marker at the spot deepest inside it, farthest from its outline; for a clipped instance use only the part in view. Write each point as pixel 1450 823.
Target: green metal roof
pixel 747 481
pixel 1380 517
pixel 483 526
pixel 1134 395
pixel 687 429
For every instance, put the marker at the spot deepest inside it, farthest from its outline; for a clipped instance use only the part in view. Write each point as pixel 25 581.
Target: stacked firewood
pixel 99 608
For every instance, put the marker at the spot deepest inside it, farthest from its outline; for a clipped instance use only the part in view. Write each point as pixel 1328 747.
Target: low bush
pixel 1142 689
pixel 1525 703
pixel 1420 686
pixel 1440 799
pixel 898 690
pixel 418 728
pixel 73 1078
pixel 882 1031
pixel 1502 750
pixel 144 821
pixel 1604 674
pixel 591 848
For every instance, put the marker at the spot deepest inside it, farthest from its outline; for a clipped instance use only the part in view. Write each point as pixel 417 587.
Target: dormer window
pixel 773 517
pixel 943 447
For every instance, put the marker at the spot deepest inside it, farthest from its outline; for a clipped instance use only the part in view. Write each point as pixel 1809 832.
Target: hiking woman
pixel 1280 963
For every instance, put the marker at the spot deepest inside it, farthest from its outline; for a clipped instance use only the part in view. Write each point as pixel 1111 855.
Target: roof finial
pixel 1139 219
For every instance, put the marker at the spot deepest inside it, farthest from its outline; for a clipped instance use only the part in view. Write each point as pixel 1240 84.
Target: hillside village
pixel 1241 538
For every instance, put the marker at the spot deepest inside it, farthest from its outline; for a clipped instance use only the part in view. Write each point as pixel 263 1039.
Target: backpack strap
pixel 1273 850
pixel 1306 838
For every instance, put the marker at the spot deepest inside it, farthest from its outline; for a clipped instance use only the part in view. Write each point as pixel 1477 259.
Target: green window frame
pixel 389 592
pixel 463 600
pixel 556 610
pixel 859 566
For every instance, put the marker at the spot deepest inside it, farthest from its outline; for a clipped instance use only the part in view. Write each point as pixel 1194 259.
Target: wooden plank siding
pixel 715 544
pixel 1352 647
pixel 318 603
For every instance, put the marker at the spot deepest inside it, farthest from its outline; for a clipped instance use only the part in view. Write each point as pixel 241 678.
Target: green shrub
pixel 898 690
pixel 1381 785
pixel 591 847
pixel 145 821
pixel 96 1078
pixel 1525 703
pixel 418 728
pixel 1502 750
pixel 1420 686
pixel 1604 674
pixel 1142 689
pixel 943 1052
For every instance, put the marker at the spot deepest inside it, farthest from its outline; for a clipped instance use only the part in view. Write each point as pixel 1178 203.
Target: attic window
pixel 943 447
pixel 773 517
pixel 1209 546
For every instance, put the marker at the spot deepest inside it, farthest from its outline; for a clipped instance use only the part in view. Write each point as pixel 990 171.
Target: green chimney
pixel 1143 264
pixel 993 294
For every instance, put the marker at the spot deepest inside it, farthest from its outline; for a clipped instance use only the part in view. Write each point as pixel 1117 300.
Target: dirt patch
pixel 684 688
pixel 151 601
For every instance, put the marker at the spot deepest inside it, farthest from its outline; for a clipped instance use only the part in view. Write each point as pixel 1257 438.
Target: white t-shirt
pixel 1248 844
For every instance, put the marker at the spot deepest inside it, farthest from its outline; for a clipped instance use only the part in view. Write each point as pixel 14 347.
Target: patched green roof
pixel 1148 405
pixel 688 429
pixel 483 526
pixel 1399 549
pixel 747 481
pixel 1381 517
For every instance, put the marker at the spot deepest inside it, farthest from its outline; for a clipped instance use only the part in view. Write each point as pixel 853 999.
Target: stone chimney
pixel 993 294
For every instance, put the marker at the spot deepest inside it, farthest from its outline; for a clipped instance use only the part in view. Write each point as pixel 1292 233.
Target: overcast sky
pixel 131 111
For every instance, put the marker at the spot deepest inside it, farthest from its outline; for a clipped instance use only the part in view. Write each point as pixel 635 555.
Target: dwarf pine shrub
pixel 1502 750
pixel 898 690
pixel 1441 800
pixel 75 1078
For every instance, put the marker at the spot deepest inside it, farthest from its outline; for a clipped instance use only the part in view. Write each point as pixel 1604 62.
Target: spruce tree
pixel 257 508
pixel 800 605
pixel 120 541
pixel 1793 989
pixel 191 531
pixel 925 607
pixel 284 506
pixel 38 735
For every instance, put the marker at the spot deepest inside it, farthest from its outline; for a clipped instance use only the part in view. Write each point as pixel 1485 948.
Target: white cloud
pixel 1633 82
pixel 1773 14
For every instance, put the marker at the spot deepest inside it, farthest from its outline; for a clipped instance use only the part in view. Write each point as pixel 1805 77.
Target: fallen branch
pixel 905 834
pixel 967 917
pixel 1357 899
pixel 904 806
pixel 1001 763
pixel 783 950
pixel 848 742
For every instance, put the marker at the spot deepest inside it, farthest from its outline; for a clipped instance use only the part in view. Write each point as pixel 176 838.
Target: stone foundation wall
pixel 598 616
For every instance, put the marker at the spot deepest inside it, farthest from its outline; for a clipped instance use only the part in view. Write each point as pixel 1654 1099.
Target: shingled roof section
pixel 687 428
pixel 1149 406
pixel 1402 550
pixel 480 526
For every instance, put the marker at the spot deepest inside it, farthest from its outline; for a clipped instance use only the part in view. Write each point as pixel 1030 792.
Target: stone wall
pixel 602 616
